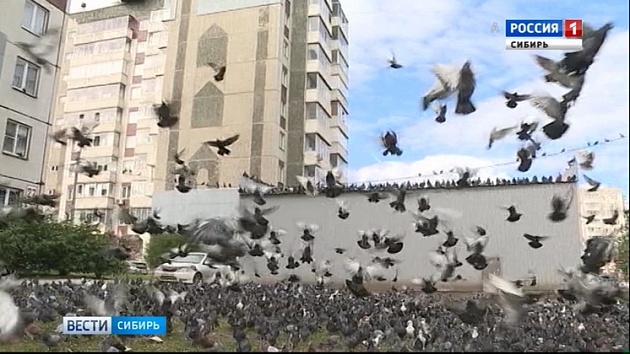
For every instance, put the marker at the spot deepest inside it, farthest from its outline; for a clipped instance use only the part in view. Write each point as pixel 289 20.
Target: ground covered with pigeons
pixel 298 317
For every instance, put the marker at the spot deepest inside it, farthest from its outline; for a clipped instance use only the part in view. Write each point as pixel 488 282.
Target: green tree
pixel 44 247
pixel 623 238
pixel 161 244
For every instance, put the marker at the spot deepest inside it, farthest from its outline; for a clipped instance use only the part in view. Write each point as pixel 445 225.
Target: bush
pixel 161 244
pixel 48 247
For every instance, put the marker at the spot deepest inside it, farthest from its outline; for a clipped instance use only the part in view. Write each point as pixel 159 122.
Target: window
pixel 335 56
pixel 25 77
pixel 287 8
pixel 125 192
pixel 285 76
pixel 9 195
pixel 104 189
pixel 334 108
pixel 285 49
pixel 16 139
pixel 97 117
pixel 311 80
pixel 96 140
pixel 130 142
pixel 54 168
pixel 79 190
pixel 34 18
pixel 283 94
pixel 91 190
pixel 313 50
pixel 282 143
pixel 281 175
pixel 141 213
pixel 309 171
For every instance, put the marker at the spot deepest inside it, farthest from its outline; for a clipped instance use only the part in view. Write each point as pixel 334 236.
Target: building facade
pixel 602 203
pixel 27 91
pixel 112 75
pixel 507 251
pixel 282 92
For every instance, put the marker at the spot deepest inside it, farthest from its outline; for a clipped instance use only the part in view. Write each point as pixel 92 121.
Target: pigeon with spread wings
pixel 513 98
pixel 222 144
pixel 165 116
pixel 219 71
pixel 389 142
pixel 554 110
pixel 258 190
pixel 45 45
pixel 446 84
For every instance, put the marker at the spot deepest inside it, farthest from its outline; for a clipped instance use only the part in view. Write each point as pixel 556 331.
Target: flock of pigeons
pixel 358 318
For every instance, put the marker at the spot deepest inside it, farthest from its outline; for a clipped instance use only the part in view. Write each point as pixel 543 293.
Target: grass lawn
pixel 174 342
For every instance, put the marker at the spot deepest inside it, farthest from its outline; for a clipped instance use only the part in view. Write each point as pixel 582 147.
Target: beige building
pixel 285 89
pixel 112 75
pixel 26 92
pixel 602 203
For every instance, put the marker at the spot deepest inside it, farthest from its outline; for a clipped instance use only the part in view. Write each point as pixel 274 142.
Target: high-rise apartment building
pixel 285 89
pixel 603 202
pixel 26 91
pixel 112 75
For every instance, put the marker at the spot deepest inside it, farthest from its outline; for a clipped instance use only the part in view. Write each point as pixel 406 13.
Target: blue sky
pixel 424 33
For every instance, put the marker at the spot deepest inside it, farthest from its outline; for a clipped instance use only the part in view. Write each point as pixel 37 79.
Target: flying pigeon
pixel 222 144
pixel 514 98
pixel 465 90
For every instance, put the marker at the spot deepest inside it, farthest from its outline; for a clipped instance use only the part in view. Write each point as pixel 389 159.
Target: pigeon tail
pixel 465 107
pixel 398 152
pixel 426 101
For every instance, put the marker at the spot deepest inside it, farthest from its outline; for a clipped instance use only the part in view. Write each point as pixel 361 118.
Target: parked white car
pixel 137 267
pixel 194 268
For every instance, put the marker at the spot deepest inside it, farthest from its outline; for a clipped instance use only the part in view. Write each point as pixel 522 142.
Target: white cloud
pixel 423 34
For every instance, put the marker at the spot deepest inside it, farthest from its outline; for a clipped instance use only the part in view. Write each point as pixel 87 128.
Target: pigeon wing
pixel 447 75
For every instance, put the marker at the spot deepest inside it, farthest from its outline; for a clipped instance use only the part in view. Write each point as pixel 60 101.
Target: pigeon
pixel 440 110
pixel 364 242
pixel 339 250
pixel 376 197
pixel 166 119
pixel 556 111
pixel 257 190
pixel 446 84
pixel 399 203
pixel 219 71
pixel 555 72
pixel 308 231
pixel 222 145
pixel 308 185
pixel 498 134
pixel 560 207
pixel 426 226
pixel 526 131
pixel 11 315
pixel 472 312
pixel 589 219
pixel 423 204
pixel 427 286
pixel 514 215
pixel 579 62
pixel 87 168
pixel 534 241
pixel 514 98
pixel 613 219
pixel 361 274
pixel 46 45
pixel 389 141
pixel 511 299
pixel 587 160
pixel 594 185
pixel 393 63
pixel 342 210
pixel 61 136
pixel 333 187
pixel 451 240
pixel 476 247
pixel 465 90
pixel 525 160
pixel 78 135
pixel 182 184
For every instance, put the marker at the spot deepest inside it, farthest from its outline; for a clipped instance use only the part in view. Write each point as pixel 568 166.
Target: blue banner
pixel 534 28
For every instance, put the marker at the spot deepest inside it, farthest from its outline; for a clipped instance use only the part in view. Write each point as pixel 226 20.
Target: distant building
pixel 601 203
pixel 26 92
pixel 113 73
pixel 285 90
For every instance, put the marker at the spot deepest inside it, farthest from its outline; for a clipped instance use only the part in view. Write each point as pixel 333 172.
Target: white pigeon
pixel 497 134
pixel 10 318
pixel 548 104
pixel 447 80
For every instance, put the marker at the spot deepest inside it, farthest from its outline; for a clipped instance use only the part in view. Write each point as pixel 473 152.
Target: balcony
pixel 312 158
pixel 337 148
pixel 118 78
pixel 94 203
pixel 337 21
pixel 100 151
pixel 340 122
pixel 337 95
pixel 318 126
pixel 338 70
pixel 100 58
pixel 103 35
pixel 108 127
pixel 103 177
pixel 316 66
pixel 336 44
pixel 88 105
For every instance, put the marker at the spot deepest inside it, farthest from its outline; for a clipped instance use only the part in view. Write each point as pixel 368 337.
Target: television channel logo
pixel 117 325
pixel 563 35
